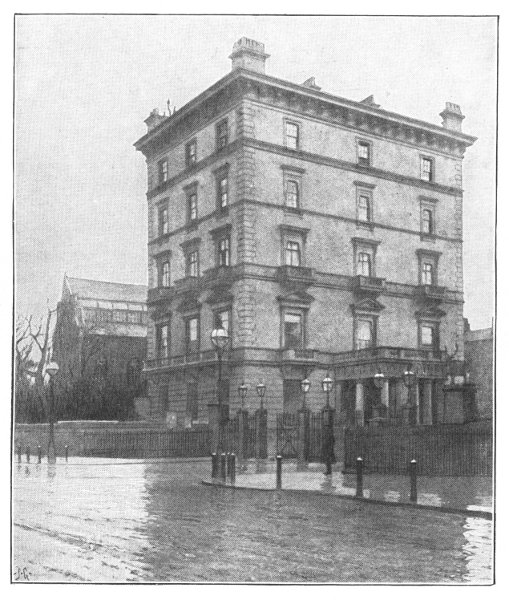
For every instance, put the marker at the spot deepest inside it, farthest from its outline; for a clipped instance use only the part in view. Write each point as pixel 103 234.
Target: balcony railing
pixel 182 359
pixel 385 352
pixel 221 274
pixel 431 292
pixel 297 354
pixel 160 293
pixel 288 273
pixel 370 285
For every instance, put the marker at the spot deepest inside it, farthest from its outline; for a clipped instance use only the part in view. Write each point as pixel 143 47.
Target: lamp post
pixel 378 380
pixel 52 370
pixel 220 338
pixel 242 394
pixel 328 426
pixel 260 390
pixel 305 384
pixel 409 379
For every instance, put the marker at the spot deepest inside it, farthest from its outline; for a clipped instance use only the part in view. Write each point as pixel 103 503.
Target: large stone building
pixel 325 234
pixel 101 331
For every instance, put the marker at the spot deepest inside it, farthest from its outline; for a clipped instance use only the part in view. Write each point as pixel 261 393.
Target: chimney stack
pixel 249 54
pixel 153 120
pixel 452 117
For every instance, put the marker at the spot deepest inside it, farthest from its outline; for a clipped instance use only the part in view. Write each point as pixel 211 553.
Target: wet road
pixel 135 522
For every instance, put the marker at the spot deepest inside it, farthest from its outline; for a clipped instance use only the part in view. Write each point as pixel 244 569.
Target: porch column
pixel 338 398
pixel 401 397
pixel 426 399
pixel 385 397
pixel 417 402
pixel 359 403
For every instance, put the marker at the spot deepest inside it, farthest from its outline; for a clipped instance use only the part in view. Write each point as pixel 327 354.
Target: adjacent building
pixel 479 366
pixel 101 331
pixel 324 234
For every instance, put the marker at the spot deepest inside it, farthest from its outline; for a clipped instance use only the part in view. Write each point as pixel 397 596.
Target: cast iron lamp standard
pixel 409 379
pixel 242 394
pixel 305 384
pixel 328 422
pixel 51 370
pixel 261 427
pixel 220 338
pixel 379 379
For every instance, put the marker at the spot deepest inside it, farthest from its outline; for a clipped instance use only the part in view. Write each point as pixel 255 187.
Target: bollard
pixel 28 454
pixel 279 472
pixel 413 480
pixel 19 453
pixel 223 467
pixel 214 465
pixel 359 491
pixel 66 453
pixel 232 469
pixel 39 455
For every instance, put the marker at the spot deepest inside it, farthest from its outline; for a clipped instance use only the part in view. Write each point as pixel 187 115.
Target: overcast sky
pixel 84 85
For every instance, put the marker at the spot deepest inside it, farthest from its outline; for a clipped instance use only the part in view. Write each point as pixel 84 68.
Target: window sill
pixel 289 210
pixel 428 237
pixel 365 225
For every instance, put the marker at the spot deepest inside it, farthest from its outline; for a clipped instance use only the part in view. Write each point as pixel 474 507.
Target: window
pixel 364 264
pixel 222 320
pixel 427 221
pixel 192 335
pixel 427 266
pixel 363 153
pixel 192 264
pixel 163 221
pixel 135 317
pixel 292 193
pixel 293 331
pixel 162 336
pixel 192 400
pixel 223 252
pixel 426 169
pixel 291 135
pixel 190 153
pixel 192 206
pixel 292 255
pixel 222 191
pixel 364 335
pixel 364 209
pixel 427 273
pixel 222 134
pixel 429 335
pixel 163 171
pixel 164 274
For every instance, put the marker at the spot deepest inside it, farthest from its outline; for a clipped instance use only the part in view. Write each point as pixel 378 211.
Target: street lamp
pixel 51 370
pixel 260 390
pixel 242 394
pixel 305 384
pixel 219 338
pixel 327 385
pixel 328 427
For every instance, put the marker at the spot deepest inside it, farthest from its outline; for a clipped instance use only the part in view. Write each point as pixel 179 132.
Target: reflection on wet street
pixel 132 521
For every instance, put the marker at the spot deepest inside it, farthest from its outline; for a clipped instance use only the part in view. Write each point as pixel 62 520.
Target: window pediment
pixel 367 306
pixel 296 299
pixel 189 303
pixel 430 313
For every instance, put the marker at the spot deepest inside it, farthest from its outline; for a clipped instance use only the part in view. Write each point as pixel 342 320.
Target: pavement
pixel 471 495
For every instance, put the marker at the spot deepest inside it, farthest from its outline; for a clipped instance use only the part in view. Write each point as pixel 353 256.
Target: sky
pixel 84 85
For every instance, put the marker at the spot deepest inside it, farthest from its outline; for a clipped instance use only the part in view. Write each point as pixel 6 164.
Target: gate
pixel 287 434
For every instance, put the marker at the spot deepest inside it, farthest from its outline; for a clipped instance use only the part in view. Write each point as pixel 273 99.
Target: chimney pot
pixel 452 116
pixel 153 120
pixel 311 83
pixel 249 54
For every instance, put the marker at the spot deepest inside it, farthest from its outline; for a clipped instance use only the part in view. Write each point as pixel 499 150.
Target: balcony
pixel 297 354
pixel 368 285
pixel 219 275
pixel 180 360
pixel 160 294
pixel 290 274
pixel 430 292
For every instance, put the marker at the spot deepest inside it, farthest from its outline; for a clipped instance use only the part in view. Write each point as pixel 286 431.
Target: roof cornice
pixel 359 108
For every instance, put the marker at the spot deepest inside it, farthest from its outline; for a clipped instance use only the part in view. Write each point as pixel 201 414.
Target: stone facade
pixel 306 313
